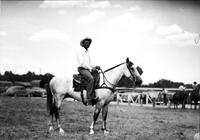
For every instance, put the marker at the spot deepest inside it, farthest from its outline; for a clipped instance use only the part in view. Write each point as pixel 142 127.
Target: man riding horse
pixel 85 68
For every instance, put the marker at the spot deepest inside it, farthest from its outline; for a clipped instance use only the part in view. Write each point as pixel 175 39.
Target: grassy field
pixel 26 119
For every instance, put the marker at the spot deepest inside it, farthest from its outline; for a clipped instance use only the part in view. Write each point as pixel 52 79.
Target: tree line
pixel 124 82
pixel 162 83
pixel 28 77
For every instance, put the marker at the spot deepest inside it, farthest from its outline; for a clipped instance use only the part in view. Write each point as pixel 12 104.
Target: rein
pixel 104 85
pixel 113 67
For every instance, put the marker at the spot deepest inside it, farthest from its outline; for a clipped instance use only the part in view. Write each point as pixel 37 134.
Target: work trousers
pixel 90 81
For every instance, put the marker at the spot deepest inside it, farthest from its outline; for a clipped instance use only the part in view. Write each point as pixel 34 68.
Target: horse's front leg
pixel 58 120
pixel 95 117
pixel 104 117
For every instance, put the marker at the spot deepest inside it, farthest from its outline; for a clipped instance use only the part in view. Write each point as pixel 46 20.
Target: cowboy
pixel 194 86
pixel 85 67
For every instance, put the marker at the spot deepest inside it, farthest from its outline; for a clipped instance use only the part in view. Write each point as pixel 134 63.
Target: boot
pixel 94 100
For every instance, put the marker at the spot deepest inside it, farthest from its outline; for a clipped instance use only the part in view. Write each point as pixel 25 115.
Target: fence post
pixel 147 98
pixel 169 104
pixel 141 100
pixel 118 98
pixel 154 102
pixel 129 99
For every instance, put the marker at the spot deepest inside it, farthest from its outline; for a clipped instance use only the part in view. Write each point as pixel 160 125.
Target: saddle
pixel 80 83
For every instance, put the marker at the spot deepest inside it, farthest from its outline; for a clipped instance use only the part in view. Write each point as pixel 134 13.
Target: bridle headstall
pixel 104 85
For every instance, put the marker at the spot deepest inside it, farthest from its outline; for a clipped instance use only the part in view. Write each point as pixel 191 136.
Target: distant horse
pixel 195 97
pixel 180 97
pixel 59 89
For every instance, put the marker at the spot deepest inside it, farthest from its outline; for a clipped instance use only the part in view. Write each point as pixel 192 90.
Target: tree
pixel 163 83
pixel 9 76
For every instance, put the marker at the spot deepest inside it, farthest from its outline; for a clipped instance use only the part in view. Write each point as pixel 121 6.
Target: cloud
pixel 183 39
pixel 135 8
pixel 182 36
pixel 116 6
pixel 127 34
pixel 169 30
pixel 58 4
pixel 129 23
pixel 176 35
pixel 127 30
pixel 3 33
pixel 92 17
pixel 50 34
pixel 75 3
pixel 99 4
pixel 61 12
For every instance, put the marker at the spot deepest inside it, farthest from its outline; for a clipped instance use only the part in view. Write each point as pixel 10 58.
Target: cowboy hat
pixel 84 40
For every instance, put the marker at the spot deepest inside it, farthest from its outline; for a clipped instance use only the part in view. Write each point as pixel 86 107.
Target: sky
pixel 162 37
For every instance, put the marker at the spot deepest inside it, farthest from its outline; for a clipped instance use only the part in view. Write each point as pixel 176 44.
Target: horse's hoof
pixel 50 129
pixel 106 132
pixel 61 132
pixel 49 132
pixel 197 136
pixel 91 131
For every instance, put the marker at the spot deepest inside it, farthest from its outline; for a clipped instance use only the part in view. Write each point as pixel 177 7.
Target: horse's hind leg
pixel 104 117
pixel 57 116
pixel 50 122
pixel 50 109
pixel 95 117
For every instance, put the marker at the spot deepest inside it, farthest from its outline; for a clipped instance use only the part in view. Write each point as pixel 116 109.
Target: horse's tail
pixel 50 103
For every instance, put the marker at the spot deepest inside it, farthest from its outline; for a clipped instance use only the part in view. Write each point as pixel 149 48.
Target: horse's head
pixel 133 73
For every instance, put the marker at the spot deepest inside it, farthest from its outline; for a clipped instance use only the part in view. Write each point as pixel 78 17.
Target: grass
pixel 26 119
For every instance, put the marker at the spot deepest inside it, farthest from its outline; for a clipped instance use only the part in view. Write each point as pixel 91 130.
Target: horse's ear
pixel 127 60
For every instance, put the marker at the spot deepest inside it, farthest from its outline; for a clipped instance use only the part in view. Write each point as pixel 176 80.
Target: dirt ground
pixel 26 119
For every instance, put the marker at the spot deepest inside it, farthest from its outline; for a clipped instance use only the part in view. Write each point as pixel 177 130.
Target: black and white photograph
pixel 99 69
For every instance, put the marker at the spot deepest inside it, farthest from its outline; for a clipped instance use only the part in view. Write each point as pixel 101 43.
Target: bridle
pixel 130 70
pixel 104 85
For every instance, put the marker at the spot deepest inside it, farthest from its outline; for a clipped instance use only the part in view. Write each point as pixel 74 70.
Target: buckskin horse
pixel 59 89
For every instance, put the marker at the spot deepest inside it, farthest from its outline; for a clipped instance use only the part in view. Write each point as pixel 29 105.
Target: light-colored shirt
pixel 84 59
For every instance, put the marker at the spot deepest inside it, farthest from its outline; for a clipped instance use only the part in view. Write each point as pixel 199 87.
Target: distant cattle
pixel 180 97
pixel 194 97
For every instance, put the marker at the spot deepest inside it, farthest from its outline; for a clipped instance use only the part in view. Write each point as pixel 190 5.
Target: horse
pixel 195 97
pixel 61 88
pixel 180 97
